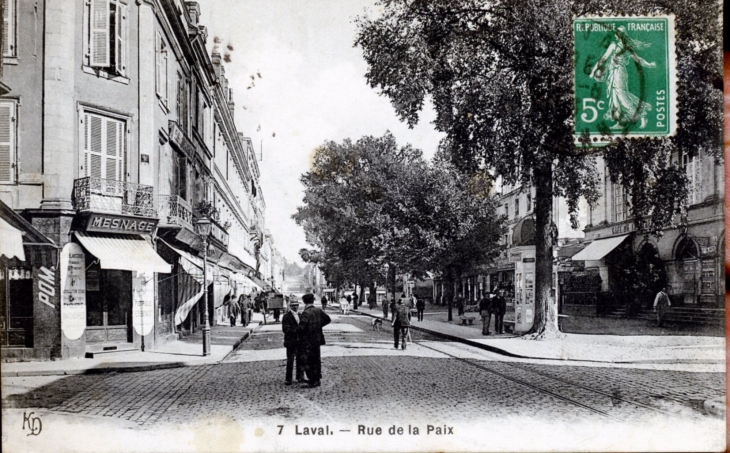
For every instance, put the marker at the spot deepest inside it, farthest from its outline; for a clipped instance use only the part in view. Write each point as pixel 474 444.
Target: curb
pixel 132 368
pixel 506 353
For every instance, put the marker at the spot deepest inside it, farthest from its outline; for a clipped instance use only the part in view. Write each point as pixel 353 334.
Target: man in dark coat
pixel 420 307
pixel 311 337
pixel 289 324
pixel 355 298
pixel 499 307
pixel 323 301
pixel 486 310
pixel 401 322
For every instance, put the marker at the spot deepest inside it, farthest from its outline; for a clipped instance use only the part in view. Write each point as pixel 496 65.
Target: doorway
pixel 108 306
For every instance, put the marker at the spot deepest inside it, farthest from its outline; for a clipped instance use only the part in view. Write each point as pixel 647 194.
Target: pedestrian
pixel 349 300
pixel 460 305
pixel 401 322
pixel 420 306
pixel 485 310
pixel 371 301
pixel 355 298
pixel 243 310
pixel 323 301
pixel 250 306
pixel 344 304
pixel 499 308
pixel 264 305
pixel 392 307
pixel 231 309
pixel 289 324
pixel 311 338
pixel 385 308
pixel 661 304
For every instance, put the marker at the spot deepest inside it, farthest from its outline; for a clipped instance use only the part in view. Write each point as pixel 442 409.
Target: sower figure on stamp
pixel 661 303
pixel 289 324
pixel 311 338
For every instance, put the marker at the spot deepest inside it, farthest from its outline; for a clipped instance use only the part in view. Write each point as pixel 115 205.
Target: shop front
pixel 108 285
pixel 28 291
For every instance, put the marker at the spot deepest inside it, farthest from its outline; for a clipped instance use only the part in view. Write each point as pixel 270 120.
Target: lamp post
pixel 203 227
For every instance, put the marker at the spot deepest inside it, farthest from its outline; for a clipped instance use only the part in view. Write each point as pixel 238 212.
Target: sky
pixel 312 89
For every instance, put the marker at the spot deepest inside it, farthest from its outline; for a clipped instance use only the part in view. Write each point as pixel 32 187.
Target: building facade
pixel 116 135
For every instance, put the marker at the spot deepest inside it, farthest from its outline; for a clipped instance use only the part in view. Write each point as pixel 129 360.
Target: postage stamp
pixel 625 78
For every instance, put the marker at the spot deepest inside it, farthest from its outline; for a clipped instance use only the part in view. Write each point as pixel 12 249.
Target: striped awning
pixel 131 253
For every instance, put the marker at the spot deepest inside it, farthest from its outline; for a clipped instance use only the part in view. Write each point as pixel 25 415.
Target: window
pixel 183 88
pixel 103 148
pixel 529 201
pixel 161 67
pixel 620 203
pixel 107 36
pixel 7 141
pixel 9 23
pixel 517 206
pixel 506 210
pixel 692 166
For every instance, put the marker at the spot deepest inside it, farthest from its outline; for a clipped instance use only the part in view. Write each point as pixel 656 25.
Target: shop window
pixel 16 307
pixel 103 147
pixel 692 166
pixel 8 152
pixel 161 68
pixel 9 27
pixel 106 36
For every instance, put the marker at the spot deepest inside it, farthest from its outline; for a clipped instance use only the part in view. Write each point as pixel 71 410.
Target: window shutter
pixel 120 40
pixel 99 36
pixel 164 74
pixel 158 64
pixel 8 28
pixel 7 142
pixel 93 146
pixel 698 177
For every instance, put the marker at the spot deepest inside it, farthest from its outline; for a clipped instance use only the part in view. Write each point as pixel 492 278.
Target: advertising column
pixel 73 298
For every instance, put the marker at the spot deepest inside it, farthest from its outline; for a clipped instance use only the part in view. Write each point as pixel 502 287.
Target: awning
pixel 192 264
pixel 123 253
pixel 599 248
pixel 11 241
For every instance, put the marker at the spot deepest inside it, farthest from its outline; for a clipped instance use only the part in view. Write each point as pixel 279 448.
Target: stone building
pixel 116 136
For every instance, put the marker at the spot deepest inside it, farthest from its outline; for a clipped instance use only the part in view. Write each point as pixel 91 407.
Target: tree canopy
pixel 500 76
pixel 370 203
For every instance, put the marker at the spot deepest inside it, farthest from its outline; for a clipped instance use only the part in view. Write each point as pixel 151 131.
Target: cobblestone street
pixel 367 381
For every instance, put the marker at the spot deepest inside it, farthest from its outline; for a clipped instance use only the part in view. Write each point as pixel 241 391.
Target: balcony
pixel 175 212
pixel 219 234
pixel 113 197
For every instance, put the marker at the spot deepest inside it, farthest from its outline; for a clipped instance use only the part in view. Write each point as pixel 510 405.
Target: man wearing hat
pixel 289 324
pixel 311 337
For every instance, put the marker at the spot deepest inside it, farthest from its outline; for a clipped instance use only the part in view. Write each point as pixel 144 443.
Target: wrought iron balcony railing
pixel 114 197
pixel 175 211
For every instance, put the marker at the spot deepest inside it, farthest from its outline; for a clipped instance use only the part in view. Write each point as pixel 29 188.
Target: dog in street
pixel 377 324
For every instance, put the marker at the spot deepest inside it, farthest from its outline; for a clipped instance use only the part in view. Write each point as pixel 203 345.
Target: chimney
pixel 193 13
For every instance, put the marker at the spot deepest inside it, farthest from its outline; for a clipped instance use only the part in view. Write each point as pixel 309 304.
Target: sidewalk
pixel 577 347
pixel 179 353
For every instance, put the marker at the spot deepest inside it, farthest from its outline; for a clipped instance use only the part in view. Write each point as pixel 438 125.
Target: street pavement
pixel 241 403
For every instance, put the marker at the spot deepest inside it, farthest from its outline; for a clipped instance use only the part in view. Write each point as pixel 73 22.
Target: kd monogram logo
pixel 34 424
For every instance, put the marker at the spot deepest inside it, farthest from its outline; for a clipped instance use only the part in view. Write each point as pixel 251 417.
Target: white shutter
pixel 99 36
pixel 121 39
pixel 8 28
pixel 698 177
pixel 7 142
pixel 114 155
pixel 164 72
pixel 93 146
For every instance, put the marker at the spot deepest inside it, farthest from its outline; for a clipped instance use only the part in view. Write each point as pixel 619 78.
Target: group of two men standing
pixel 303 338
pixel 497 305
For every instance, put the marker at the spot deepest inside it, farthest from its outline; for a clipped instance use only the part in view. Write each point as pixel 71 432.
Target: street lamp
pixel 203 227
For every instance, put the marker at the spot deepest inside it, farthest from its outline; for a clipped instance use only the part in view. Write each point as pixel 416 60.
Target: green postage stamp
pixel 625 78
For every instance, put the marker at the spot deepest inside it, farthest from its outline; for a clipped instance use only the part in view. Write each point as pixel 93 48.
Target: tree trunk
pixel 545 324
pixel 354 304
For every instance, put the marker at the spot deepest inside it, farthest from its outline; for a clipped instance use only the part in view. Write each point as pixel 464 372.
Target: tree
pixel 499 74
pixel 371 206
